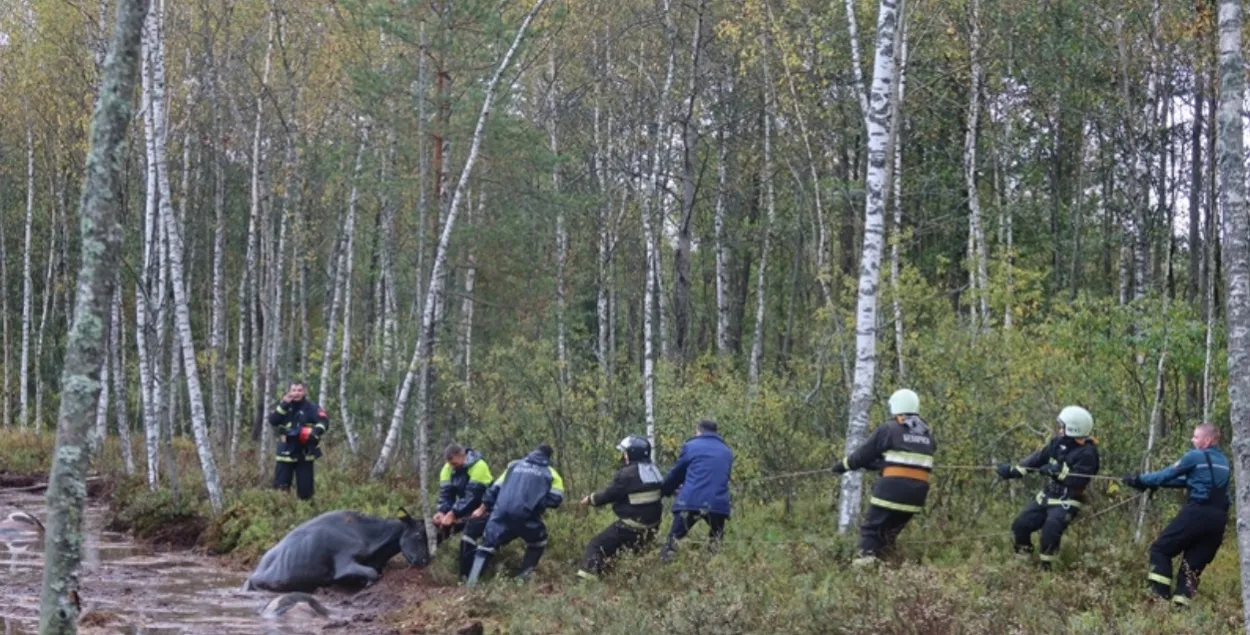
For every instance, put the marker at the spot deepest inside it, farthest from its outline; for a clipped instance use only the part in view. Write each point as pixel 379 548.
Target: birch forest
pixel 564 222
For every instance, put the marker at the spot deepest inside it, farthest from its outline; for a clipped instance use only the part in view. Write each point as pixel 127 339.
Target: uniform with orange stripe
pixel 1065 461
pixel 903 450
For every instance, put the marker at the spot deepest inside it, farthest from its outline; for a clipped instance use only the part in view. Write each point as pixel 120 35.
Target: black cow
pixel 339 548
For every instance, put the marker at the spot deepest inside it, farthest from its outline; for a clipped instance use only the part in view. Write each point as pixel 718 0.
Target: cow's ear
pixel 403 515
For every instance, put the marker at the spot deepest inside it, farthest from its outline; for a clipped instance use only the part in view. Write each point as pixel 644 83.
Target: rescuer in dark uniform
pixel 461 486
pixel 516 502
pixel 635 497
pixel 1198 529
pixel 1067 461
pixel 903 450
pixel 300 424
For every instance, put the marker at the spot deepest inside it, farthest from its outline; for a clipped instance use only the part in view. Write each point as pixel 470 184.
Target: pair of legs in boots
pixel 683 522
pixel 500 532
pixel 618 537
pixel 878 533
pixel 1195 535
pixel 1052 520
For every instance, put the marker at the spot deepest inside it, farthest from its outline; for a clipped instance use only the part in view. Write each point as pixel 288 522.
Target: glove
pixel 1133 480
pixel 1007 471
pixel 1050 469
pixel 840 467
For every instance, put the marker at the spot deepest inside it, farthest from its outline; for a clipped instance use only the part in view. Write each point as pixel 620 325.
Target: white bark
pixel 651 292
pixel 48 293
pixel 857 65
pixel 562 236
pixel 879 123
pixel 182 318
pixel 343 295
pixel 221 413
pixel 466 303
pixel 761 271
pixel 723 307
pixel 117 352
pixel 28 291
pixel 896 178
pixel 100 433
pixel 1156 408
pixel 1231 153
pixel 603 289
pixel 145 292
pixel 977 255
pixel 4 308
pixel 423 351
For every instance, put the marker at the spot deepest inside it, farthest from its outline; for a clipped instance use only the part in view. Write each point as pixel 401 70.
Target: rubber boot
pixel 668 551
pixel 467 554
pixel 479 563
pixel 530 562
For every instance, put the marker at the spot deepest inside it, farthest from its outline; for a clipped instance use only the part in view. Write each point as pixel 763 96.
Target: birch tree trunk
pixel 222 416
pixel 182 319
pixel 689 149
pixel 117 348
pixel 761 270
pixel 1231 153
pixel 424 350
pixel 48 293
pixel 978 266
pixel 101 235
pixel 879 124
pixel 896 180
pixel 1156 407
pixel 562 235
pixel 470 280
pixel 96 441
pixel 146 314
pixel 603 288
pixel 857 65
pixel 4 307
pixel 724 346
pixel 343 295
pixel 28 291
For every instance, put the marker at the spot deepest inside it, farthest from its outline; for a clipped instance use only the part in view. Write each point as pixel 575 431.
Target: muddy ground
pixel 127 587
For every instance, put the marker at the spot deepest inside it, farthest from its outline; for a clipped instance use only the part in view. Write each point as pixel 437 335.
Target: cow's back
pixel 304 559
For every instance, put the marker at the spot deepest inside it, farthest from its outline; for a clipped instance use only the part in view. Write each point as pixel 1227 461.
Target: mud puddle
pixel 129 588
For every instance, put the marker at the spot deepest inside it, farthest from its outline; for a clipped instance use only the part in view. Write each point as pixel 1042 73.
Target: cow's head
pixel 413 542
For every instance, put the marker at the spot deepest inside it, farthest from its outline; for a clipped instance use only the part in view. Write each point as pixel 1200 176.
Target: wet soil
pixel 132 588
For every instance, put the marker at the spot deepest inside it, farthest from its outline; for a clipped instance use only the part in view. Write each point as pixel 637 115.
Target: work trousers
pixel 608 543
pixel 301 472
pixel 1053 520
pixel 1195 535
pixel 880 530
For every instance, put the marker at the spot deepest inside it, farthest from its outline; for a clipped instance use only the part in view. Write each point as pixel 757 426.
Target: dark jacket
pixel 288 418
pixel 529 487
pixel 702 475
pixel 460 490
pixel 1069 457
pixel 1204 472
pixel 903 451
pixel 634 495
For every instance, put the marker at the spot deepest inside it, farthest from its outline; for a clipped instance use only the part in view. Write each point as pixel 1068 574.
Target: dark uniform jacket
pixel 1067 457
pixel 701 476
pixel 529 487
pixel 1204 472
pixel 460 491
pixel 634 495
pixel 903 451
pixel 288 418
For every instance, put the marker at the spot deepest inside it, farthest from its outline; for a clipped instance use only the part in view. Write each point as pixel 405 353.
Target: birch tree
pixel 343 295
pixel 117 352
pixel 562 234
pixel 99 212
pixel 28 291
pixel 761 271
pixel 423 352
pixel 977 253
pixel 1231 155
pixel 879 124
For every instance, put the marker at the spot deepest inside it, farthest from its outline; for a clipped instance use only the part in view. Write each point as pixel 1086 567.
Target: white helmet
pixel 904 402
pixel 1076 421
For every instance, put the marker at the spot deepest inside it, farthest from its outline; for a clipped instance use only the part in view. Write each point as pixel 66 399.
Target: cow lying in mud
pixel 339 548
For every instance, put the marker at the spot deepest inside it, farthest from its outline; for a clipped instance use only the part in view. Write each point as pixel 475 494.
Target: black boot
pixel 530 562
pixel 467 553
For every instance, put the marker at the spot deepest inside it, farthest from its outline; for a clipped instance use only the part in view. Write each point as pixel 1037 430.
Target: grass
pixel 782 569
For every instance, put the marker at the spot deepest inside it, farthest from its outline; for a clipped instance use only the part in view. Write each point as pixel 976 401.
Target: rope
pixel 1027 469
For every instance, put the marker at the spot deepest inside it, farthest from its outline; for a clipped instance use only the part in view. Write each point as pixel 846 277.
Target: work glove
pixel 1133 480
pixel 840 467
pixel 1050 469
pixel 1006 471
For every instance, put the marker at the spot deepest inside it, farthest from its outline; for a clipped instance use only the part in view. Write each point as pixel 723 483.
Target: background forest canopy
pixel 675 182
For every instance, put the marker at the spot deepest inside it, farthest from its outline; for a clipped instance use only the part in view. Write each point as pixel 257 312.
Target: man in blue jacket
pixel 516 502
pixel 701 481
pixel 1198 529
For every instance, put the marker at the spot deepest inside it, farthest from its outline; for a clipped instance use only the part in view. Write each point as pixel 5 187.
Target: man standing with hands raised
pixel 300 424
